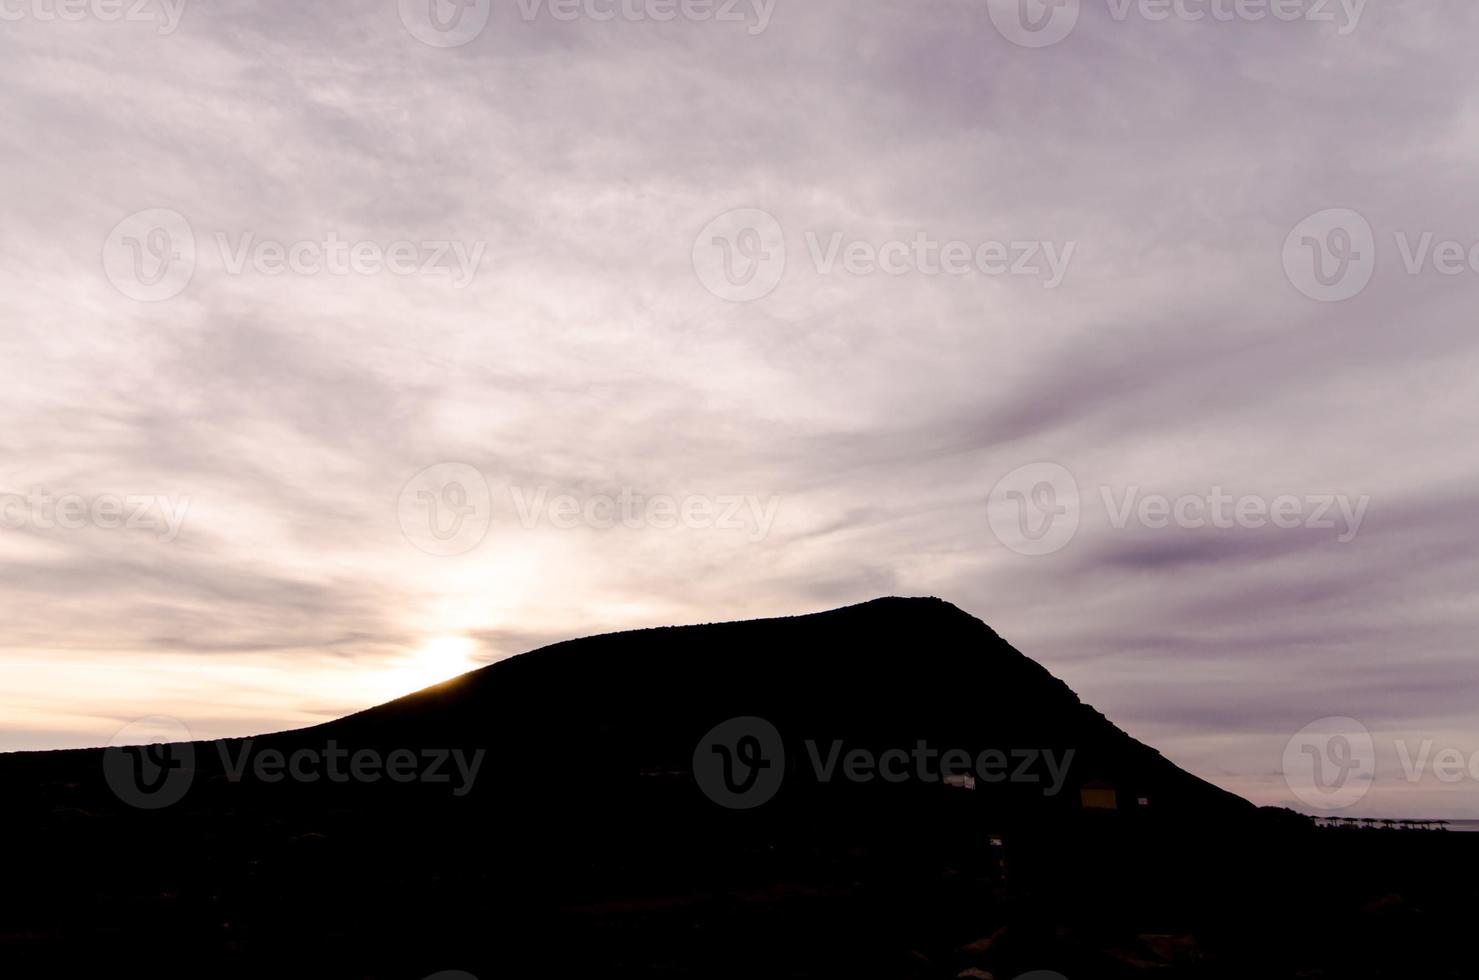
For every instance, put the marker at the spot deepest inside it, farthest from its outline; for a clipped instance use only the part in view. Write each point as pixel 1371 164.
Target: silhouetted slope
pixel 886 673
pixel 588 845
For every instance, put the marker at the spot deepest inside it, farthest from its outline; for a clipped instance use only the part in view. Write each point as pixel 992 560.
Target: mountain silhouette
pixel 760 798
pixel 885 673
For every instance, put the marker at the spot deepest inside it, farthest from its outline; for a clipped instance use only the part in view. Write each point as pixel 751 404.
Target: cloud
pixel 586 357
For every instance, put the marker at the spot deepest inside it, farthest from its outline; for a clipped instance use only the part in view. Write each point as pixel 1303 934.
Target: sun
pixel 440 659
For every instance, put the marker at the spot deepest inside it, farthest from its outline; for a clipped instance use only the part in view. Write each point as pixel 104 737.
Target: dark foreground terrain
pixel 603 835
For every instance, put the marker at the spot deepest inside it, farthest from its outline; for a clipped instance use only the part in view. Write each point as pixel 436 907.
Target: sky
pixel 351 345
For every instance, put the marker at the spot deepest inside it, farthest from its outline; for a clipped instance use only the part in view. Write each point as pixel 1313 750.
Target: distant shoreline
pixel 1452 826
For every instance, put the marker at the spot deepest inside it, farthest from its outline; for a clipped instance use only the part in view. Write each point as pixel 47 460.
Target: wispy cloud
pixel 584 355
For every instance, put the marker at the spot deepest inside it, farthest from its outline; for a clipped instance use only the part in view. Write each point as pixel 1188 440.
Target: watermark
pixel 156 775
pixel 1333 254
pixel 1038 510
pixel 742 256
pixel 152 256
pixel 741 763
pixel 1034 23
pixel 1447 765
pixel 446 509
pixel 453 23
pixel 39 509
pixel 926 256
pixel 150 763
pixel 1034 767
pixel 659 511
pixel 164 14
pixel 1224 511
pixel 454 768
pixel 1344 14
pixel 335 256
pixel 445 23
pixel 755 15
pixel 149 256
pixel 1035 509
pixel 1331 764
pixel 1043 23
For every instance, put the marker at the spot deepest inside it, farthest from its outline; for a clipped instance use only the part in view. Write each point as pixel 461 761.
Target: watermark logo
pixel 1035 509
pixel 1330 256
pixel 446 509
pixel 150 763
pixel 741 255
pixel 445 23
pixel 149 256
pixel 1034 23
pixel 1330 764
pixel 1042 23
pixel 740 763
pixel 152 256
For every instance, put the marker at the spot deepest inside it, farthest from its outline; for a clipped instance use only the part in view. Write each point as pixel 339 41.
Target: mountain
pixel 764 798
pixel 884 674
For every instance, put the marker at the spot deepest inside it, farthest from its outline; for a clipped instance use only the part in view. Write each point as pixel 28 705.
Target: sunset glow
pixel 440 659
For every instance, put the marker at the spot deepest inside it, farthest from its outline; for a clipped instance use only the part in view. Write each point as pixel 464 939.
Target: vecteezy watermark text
pixel 927 256
pixel 451 767
pixel 165 14
pixel 1331 764
pixel 1044 767
pixel 1038 509
pixel 741 763
pixel 340 257
pixel 1222 510
pixel 42 510
pixel 447 509
pixel 742 255
pixel 1333 254
pixel 755 14
pixel 157 775
pixel 1042 23
pixel 453 23
pixel 660 511
pixel 152 256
